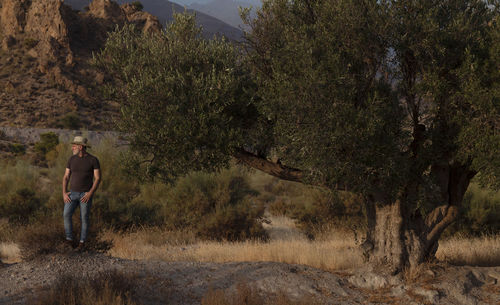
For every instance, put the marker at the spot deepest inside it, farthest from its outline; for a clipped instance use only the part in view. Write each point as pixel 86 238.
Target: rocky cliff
pixel 44 70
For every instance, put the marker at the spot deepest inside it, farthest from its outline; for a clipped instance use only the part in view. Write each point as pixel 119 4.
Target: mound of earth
pixel 187 282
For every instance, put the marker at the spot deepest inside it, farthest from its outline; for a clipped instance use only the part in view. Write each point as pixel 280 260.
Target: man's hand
pixel 86 197
pixel 66 197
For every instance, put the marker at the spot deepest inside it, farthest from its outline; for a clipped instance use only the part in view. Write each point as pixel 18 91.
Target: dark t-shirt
pixel 82 172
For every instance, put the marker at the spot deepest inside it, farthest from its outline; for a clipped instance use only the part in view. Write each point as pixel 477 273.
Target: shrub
pixel 46 236
pixel 48 141
pixel 70 121
pixel 20 206
pixel 3 135
pixel 41 238
pixel 105 288
pixel 17 149
pixel 137 5
pixel 216 206
pixel 480 212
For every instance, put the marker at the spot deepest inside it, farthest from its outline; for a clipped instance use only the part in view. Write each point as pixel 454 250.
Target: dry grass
pixel 107 288
pixel 10 253
pixel 287 245
pixel 474 251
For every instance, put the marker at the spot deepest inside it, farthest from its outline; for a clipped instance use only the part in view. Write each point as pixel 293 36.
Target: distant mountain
pixel 225 10
pixel 164 10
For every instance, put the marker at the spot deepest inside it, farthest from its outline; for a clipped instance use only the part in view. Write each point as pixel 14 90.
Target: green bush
pixel 15 175
pixel 17 149
pixel 480 213
pixel 215 206
pixel 48 141
pixel 70 121
pixel 20 206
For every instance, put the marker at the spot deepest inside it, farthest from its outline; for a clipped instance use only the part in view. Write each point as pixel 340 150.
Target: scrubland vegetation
pixel 233 215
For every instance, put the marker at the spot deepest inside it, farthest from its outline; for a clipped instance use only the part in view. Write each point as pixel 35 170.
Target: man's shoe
pixel 69 244
pixel 81 246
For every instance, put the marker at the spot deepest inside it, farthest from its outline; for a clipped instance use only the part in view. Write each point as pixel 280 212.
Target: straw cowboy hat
pixel 79 140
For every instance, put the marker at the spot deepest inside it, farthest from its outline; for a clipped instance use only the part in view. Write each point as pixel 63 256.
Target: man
pixel 83 173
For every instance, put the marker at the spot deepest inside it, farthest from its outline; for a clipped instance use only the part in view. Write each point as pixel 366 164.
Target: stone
pixel 432 296
pixel 108 10
pixel 8 42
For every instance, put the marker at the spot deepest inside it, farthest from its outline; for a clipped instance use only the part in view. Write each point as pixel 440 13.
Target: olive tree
pixel 397 101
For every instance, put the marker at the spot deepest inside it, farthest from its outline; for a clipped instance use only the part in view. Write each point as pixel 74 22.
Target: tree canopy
pixel 396 100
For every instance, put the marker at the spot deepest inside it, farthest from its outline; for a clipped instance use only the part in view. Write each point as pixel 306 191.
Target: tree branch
pixel 274 169
pixel 279 170
pixel 438 220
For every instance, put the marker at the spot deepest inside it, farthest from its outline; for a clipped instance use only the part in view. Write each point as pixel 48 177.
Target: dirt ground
pixel 187 282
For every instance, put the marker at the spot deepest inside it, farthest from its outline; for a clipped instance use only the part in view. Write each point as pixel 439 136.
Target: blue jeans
pixel 69 209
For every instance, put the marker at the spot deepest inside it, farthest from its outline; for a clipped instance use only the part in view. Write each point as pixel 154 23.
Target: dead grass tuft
pixel 474 251
pixel 107 288
pixel 9 253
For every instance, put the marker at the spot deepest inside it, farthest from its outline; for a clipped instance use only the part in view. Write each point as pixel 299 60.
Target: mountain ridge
pixel 164 9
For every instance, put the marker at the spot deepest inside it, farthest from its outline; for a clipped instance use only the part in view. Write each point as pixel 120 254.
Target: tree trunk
pixel 398 242
pixel 400 238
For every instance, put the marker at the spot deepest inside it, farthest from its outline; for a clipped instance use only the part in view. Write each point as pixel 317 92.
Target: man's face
pixel 76 149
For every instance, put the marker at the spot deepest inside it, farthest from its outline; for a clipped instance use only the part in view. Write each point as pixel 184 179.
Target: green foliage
pixel 316 66
pixel 70 121
pixel 480 214
pixel 137 5
pixel 17 174
pixel 48 141
pixel 20 205
pixel 17 149
pixel 215 206
pixel 182 87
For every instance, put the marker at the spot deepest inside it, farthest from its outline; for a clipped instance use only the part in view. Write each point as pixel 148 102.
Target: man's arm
pixel 65 181
pixel 95 185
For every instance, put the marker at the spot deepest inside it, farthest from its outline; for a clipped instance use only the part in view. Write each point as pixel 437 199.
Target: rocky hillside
pixel 164 10
pixel 45 46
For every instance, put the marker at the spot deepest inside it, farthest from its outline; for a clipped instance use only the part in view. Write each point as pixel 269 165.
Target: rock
pixel 146 21
pixel 45 20
pixel 12 16
pixel 495 275
pixel 108 10
pixel 33 53
pixel 8 42
pixel 369 280
pixel 432 296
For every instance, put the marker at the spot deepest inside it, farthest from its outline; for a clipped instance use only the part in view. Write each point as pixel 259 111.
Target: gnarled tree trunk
pixel 399 237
